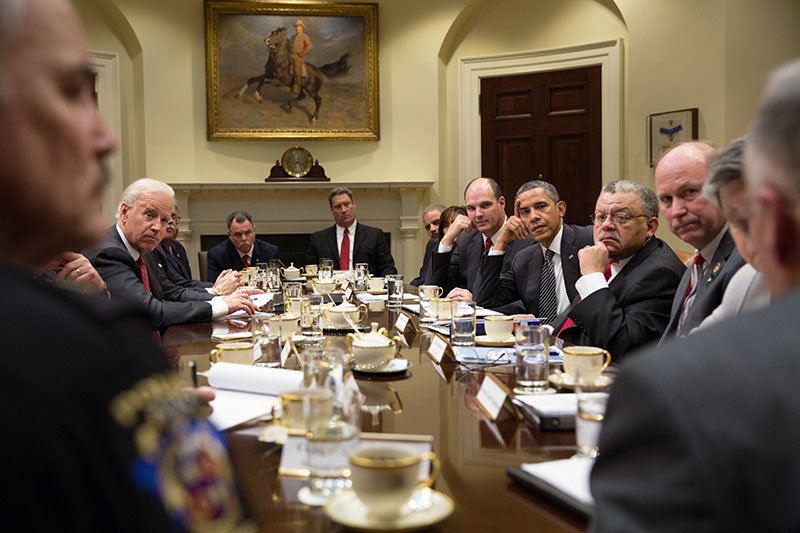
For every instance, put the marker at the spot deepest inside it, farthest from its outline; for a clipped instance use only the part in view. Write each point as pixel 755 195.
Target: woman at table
pixel 445 220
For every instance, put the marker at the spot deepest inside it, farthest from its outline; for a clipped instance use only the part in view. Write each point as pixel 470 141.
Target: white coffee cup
pixel 498 328
pixel 291 402
pixel 233 352
pixel 376 284
pixel 384 476
pixel 290 324
pixel 590 361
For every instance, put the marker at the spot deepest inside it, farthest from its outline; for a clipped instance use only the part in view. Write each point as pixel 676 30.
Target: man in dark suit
pixel 628 277
pixel 131 271
pixel 456 263
pixel 72 359
pixel 430 217
pixel 348 242
pixel 680 175
pixel 242 249
pixel 553 264
pixel 172 259
pixel 690 442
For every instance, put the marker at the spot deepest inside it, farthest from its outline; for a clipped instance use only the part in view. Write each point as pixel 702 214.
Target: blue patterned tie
pixel 548 303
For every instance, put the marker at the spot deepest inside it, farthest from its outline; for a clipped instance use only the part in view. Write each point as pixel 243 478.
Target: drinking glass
pixel 292 292
pixel 394 286
pixel 462 323
pixel 311 316
pixel 325 271
pixel 362 277
pixel 274 279
pixel 429 303
pixel 258 279
pixel 274 263
pixel 589 419
pixel 533 357
pixel 267 342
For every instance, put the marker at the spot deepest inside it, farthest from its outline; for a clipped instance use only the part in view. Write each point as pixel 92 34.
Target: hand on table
pixel 239 300
pixel 461 295
pixel 228 281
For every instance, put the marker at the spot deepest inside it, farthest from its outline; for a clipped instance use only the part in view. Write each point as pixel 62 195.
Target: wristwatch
pixel 216 291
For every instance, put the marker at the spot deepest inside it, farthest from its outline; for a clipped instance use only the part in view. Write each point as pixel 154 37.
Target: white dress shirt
pixel 590 283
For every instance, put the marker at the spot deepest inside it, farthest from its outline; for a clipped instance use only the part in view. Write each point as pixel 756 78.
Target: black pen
pixel 193 367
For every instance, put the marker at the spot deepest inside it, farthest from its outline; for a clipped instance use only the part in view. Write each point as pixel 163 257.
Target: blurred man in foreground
pixel 82 382
pixel 690 442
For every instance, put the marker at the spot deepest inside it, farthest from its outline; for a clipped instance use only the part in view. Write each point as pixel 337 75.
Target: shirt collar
pixel 131 250
pixel 351 228
pixel 496 235
pixel 619 265
pixel 556 244
pixel 711 248
pixel 248 252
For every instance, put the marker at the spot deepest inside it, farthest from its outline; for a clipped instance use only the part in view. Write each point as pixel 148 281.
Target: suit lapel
pixel 635 261
pixel 173 260
pixel 475 256
pixel 331 238
pixel 569 261
pixel 358 240
pixel 717 263
pixel 233 256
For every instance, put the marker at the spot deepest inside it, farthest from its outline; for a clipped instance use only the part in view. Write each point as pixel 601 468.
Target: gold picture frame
pixel 251 86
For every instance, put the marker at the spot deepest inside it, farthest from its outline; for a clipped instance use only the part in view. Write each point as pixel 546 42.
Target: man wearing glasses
pixel 628 277
pixel 680 176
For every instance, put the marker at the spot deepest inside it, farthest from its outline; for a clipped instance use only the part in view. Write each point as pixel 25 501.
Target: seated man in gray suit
pixel 456 263
pixel 628 277
pixel 430 217
pixel 690 442
pixel 349 242
pixel 129 269
pixel 680 175
pixel 241 249
pixel 543 277
pixel 173 260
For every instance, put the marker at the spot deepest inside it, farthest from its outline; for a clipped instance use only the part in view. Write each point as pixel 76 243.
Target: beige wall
pixel 710 54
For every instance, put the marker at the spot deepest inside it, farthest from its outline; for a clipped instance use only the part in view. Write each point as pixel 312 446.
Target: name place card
pixel 348 293
pixel 285 352
pixel 437 348
pixel 493 395
pixel 401 322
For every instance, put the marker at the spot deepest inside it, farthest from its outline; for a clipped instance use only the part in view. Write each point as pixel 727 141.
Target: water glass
pixel 532 347
pixel 325 271
pixel 394 286
pixel 362 277
pixel 274 279
pixel 429 303
pixel 589 422
pixel 258 279
pixel 311 316
pixel 462 323
pixel 292 292
pixel 274 263
pixel 270 347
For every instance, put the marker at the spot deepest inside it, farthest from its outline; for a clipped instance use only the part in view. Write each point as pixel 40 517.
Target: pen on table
pixel 193 368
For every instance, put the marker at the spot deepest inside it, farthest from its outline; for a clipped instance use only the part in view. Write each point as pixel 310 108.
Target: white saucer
pixel 306 497
pixel 396 366
pixel 563 381
pixel 520 392
pixel 347 509
pixel 484 340
pixel 379 291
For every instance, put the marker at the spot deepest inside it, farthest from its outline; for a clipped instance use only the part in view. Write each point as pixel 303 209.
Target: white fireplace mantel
pixel 277 208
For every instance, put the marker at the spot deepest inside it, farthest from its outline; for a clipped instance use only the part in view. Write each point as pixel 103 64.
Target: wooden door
pixel 545 124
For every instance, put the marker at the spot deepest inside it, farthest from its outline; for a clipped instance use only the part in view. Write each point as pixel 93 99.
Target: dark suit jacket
pixel 634 310
pixel 166 304
pixel 691 442
pixel 176 266
pixel 67 356
pixel 521 281
pixel 369 247
pixel 225 256
pixel 430 249
pixel 461 267
pixel 709 293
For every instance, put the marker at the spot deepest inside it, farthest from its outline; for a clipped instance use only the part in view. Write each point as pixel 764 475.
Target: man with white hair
pixel 691 441
pixel 125 263
pixel 92 417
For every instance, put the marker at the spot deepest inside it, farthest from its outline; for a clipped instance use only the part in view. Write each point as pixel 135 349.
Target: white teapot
pixel 292 272
pixel 373 350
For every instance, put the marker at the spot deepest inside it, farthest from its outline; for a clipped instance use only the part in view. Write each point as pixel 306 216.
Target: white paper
pixel 551 404
pixel 570 476
pixel 232 408
pixel 401 322
pixel 437 348
pixel 491 397
pixel 287 347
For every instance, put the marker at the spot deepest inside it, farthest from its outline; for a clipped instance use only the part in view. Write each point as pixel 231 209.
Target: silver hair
pixel 646 195
pixel 548 188
pixel 433 207
pixel 776 132
pixel 337 191
pixel 725 168
pixel 133 191
pixel 11 14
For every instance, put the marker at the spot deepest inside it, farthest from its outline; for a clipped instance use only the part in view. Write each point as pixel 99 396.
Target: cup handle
pixel 398 345
pixel 434 469
pixel 395 403
pixel 213 356
pixel 362 313
pixel 608 360
pixel 439 292
pixel 349 342
pixel 383 332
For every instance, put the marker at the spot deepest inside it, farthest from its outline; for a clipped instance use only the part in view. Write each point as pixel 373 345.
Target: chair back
pixel 202 259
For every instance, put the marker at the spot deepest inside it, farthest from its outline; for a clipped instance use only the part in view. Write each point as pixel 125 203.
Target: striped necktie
pixel 548 303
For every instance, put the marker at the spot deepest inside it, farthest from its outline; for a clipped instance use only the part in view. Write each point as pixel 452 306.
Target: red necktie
pixel 246 260
pixel 696 260
pixel 143 269
pixel 488 245
pixel 344 253
pixel 569 322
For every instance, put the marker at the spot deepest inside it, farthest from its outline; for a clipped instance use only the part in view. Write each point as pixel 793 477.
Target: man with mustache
pixel 543 277
pixel 680 175
pixel 628 277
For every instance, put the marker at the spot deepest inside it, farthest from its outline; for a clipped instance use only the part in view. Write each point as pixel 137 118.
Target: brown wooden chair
pixel 685 257
pixel 202 259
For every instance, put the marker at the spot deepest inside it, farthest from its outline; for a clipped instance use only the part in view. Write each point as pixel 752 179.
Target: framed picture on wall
pixel 291 71
pixel 668 129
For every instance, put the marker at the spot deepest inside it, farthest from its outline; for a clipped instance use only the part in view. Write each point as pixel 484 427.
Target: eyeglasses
pixel 176 218
pixel 618 219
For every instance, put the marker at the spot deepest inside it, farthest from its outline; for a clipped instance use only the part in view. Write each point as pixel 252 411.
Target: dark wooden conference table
pixel 474 452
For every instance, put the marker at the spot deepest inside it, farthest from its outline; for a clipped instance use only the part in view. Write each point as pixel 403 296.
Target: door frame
pixel 607 54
